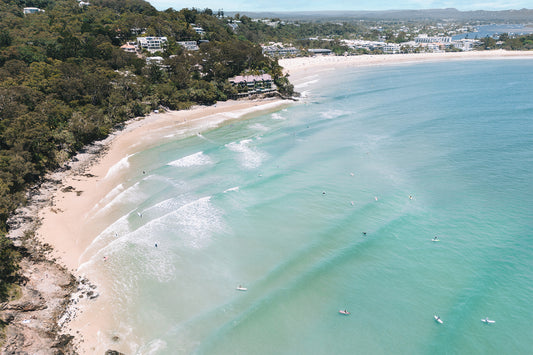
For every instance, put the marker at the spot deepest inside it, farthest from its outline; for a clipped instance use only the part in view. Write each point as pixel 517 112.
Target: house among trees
pixel 199 30
pixel 31 10
pixel 189 45
pixel 129 47
pixel 152 44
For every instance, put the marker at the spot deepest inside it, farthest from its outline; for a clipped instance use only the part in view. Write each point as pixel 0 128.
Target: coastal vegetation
pixel 65 82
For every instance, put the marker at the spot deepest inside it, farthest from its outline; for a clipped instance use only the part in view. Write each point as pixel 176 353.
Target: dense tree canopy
pixel 65 82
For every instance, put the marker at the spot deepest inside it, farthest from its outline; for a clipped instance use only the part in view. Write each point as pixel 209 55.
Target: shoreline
pixel 54 229
pixel 60 208
pixel 300 67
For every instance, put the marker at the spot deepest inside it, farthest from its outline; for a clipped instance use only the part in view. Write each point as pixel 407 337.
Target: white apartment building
pixel 152 44
pixel 424 38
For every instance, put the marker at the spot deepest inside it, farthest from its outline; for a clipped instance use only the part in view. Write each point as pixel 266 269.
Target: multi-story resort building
pixel 278 50
pixel 253 84
pixel 423 38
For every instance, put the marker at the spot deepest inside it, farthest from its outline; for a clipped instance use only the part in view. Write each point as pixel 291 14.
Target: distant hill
pixel 521 16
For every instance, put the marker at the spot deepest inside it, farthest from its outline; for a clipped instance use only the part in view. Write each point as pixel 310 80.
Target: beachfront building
pixel 253 84
pixel 319 51
pixel 152 44
pixel 465 44
pixel 31 10
pixel 279 50
pixel 423 38
pixel 363 44
pixel 392 48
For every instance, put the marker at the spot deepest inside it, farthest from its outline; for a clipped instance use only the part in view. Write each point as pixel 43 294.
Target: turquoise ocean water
pixel 279 203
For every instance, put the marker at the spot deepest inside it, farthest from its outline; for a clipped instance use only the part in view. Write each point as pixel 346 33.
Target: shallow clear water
pixel 279 204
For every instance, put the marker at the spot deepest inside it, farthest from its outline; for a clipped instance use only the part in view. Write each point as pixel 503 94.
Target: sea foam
pixel 331 114
pixel 121 165
pixel 250 157
pixel 196 159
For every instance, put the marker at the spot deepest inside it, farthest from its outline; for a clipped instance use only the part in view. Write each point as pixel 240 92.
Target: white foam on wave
pixel 236 188
pixel 122 164
pixel 131 195
pixel 153 347
pixel 192 223
pixel 117 190
pixel 196 159
pixel 259 127
pixel 251 158
pixel 198 221
pixel 114 231
pixel 132 253
pixel 277 116
pixel 306 84
pixel 305 94
pixel 331 114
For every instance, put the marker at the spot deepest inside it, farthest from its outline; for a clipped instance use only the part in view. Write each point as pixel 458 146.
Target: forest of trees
pixel 65 82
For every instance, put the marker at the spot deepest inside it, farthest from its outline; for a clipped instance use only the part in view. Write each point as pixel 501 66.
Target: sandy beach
pixel 66 222
pixel 299 68
pixel 63 224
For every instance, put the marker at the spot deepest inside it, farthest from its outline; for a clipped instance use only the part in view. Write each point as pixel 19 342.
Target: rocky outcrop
pixel 32 320
pixel 35 322
pixel 113 352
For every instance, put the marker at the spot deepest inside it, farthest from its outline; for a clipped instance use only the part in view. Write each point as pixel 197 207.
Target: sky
pixel 355 5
